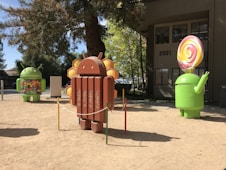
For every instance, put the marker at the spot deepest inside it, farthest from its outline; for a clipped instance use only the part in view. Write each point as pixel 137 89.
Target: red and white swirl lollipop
pixel 190 53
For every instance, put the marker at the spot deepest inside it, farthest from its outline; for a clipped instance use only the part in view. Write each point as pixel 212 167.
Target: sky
pixel 11 54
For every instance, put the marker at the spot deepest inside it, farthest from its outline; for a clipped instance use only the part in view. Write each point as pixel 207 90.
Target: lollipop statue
pixel 189 87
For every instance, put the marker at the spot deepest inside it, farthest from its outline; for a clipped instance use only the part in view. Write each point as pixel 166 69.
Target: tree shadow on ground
pixel 214 119
pixel 214 109
pixel 43 102
pixel 142 105
pixel 18 132
pixel 139 136
pixel 49 102
pixel 10 91
pixel 215 113
pixel 136 109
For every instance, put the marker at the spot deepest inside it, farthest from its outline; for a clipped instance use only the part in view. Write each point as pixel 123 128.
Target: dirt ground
pixel 156 137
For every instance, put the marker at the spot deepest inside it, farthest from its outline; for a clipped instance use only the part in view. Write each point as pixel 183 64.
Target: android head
pixel 185 91
pixel 92 66
pixel 31 73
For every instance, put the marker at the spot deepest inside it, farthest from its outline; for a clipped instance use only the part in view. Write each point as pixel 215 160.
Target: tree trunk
pixel 141 64
pixel 132 71
pixel 93 36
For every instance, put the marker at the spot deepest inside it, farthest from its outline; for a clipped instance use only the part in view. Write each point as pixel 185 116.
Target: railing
pixel 168 76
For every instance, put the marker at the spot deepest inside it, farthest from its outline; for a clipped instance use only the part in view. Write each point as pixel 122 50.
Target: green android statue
pixel 189 87
pixel 189 94
pixel 31 84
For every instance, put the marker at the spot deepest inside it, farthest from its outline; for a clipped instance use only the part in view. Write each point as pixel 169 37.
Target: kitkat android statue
pixel 189 87
pixel 92 91
pixel 31 84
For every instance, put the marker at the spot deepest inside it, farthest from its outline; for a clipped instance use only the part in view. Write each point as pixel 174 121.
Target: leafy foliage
pixel 38 28
pixel 43 27
pixel 49 28
pixel 124 47
pixel 2 61
pixel 67 63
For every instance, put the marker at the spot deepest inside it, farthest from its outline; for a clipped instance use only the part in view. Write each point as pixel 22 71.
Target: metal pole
pixel 107 124
pixel 123 95
pixel 58 103
pixel 2 88
pixel 125 114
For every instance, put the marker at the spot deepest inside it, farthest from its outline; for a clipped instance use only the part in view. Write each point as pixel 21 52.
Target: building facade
pixel 165 24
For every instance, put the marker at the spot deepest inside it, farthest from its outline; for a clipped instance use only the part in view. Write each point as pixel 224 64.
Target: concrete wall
pixel 162 11
pixel 218 46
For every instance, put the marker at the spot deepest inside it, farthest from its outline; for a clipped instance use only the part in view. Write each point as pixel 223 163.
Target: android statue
pixel 189 87
pixel 190 94
pixel 31 84
pixel 92 91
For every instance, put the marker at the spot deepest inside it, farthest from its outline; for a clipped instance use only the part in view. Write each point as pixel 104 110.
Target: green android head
pixel 31 73
pixel 188 78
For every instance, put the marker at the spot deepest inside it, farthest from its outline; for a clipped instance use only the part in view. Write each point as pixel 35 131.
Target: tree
pixel 38 28
pixel 49 28
pixel 2 61
pixel 67 63
pixel 41 26
pixel 2 65
pixel 124 46
pixel 123 12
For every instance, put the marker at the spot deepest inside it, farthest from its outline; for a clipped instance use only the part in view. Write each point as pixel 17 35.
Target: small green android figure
pixel 31 84
pixel 189 94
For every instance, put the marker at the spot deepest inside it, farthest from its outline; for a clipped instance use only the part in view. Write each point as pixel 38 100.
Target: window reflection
pixel 162 35
pixel 162 76
pixel 179 32
pixel 165 76
pixel 200 29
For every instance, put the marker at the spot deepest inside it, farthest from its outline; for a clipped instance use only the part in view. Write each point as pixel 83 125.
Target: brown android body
pixel 92 89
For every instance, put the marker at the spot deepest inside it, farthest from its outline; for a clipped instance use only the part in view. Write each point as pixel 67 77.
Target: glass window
pixel 158 76
pixel 162 35
pixel 200 29
pixel 179 32
pixel 165 76
pixel 176 74
pixel 162 76
pixel 199 71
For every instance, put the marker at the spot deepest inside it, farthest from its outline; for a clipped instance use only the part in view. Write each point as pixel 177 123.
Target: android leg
pixel 182 112
pixel 192 114
pixel 26 98
pixel 85 124
pixel 36 98
pixel 97 127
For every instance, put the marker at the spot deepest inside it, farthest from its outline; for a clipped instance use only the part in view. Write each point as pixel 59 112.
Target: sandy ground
pixel 156 137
